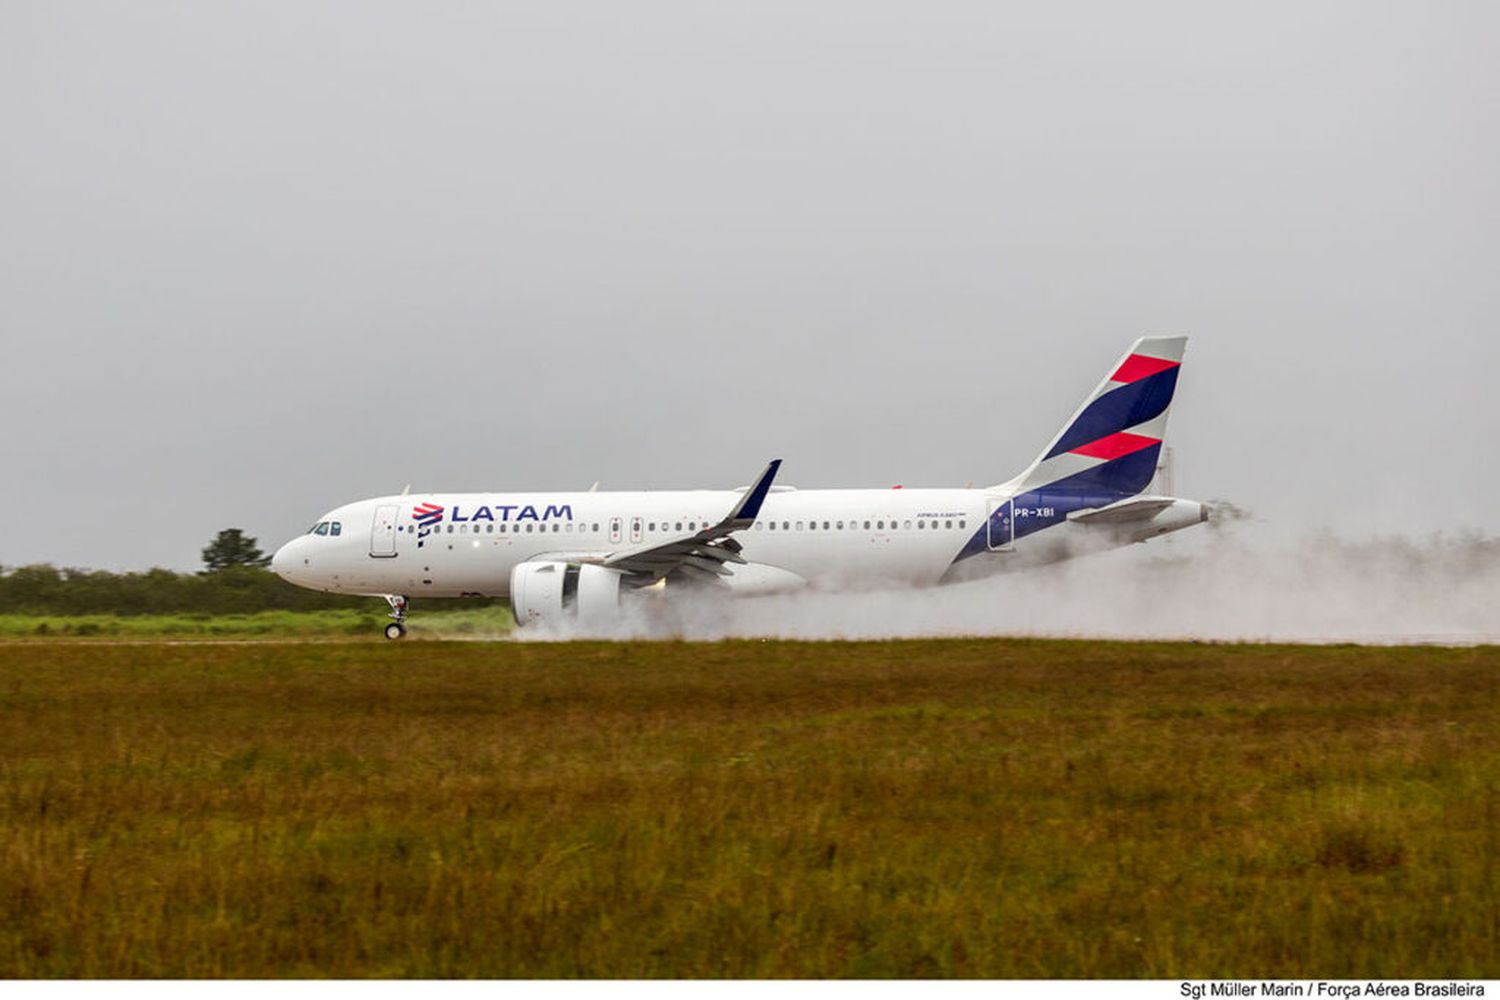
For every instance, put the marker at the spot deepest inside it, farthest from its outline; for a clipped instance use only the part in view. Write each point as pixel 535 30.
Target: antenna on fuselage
pixel 595 487
pixel 406 489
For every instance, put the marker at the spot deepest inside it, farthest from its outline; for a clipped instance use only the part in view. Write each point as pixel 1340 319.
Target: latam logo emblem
pixel 428 516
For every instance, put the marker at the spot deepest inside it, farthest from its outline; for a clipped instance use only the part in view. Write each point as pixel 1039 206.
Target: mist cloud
pixel 1245 581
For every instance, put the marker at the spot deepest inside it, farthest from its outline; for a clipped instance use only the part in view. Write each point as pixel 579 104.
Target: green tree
pixel 233 548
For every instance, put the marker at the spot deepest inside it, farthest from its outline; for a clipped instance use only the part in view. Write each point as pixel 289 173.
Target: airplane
pixel 574 560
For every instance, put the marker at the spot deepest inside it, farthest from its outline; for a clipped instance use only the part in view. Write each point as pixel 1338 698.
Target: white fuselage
pixel 821 538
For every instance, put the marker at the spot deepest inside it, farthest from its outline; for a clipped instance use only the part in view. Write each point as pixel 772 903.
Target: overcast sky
pixel 257 260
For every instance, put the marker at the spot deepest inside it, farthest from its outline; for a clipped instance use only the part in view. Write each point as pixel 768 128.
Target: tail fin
pixel 1110 447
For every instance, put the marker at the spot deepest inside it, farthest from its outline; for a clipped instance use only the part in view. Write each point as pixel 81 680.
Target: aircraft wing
pixel 702 555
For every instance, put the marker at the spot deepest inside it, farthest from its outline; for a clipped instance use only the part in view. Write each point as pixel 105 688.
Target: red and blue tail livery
pixel 1106 454
pixel 577 560
pixel 1113 441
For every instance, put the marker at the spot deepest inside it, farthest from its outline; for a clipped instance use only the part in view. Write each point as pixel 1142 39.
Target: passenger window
pixel 773 525
pixel 651 526
pixel 799 525
pixel 908 525
pixel 335 528
pixel 679 526
pixel 528 529
pixel 867 525
pixel 489 529
pixel 502 529
pixel 786 525
pixel 948 524
pixel 921 525
pixel 321 529
pixel 691 525
pixel 961 525
pixel 840 524
pixel 880 525
pixel 825 525
pixel 463 529
pixel 556 528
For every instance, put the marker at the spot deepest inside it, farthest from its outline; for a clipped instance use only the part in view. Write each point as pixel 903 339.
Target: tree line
pixel 234 590
pixel 234 581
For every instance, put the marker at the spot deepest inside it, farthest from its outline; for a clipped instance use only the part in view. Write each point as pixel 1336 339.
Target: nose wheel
pixel 397 628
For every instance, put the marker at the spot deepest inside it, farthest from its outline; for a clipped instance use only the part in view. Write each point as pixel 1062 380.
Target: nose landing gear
pixel 397 628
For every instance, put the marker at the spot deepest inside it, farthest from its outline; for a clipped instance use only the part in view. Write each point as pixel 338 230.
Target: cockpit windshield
pixel 321 528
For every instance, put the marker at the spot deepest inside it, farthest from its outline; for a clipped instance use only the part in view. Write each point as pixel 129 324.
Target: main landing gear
pixel 397 628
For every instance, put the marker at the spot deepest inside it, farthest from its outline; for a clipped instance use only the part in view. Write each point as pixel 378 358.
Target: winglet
pixel 749 509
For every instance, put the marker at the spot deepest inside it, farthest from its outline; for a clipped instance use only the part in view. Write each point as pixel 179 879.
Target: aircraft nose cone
pixel 281 562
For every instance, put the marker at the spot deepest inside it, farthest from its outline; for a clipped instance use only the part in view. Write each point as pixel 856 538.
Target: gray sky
pixel 260 259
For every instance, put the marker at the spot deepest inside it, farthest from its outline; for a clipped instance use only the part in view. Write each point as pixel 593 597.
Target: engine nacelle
pixel 560 593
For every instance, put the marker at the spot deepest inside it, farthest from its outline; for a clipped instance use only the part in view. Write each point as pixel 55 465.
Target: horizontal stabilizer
pixel 1134 509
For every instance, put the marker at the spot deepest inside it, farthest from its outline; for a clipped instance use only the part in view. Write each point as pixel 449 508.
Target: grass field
pixel 925 808
pixel 272 625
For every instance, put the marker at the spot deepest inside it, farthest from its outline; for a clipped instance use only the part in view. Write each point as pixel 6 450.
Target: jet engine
pixel 558 593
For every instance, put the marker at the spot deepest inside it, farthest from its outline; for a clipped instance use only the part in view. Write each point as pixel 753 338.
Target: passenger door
pixel 383 531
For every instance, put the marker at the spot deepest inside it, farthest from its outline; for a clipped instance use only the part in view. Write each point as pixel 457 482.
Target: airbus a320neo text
pixel 575 559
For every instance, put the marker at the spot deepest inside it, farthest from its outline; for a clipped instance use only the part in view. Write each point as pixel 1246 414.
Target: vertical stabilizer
pixel 1111 445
